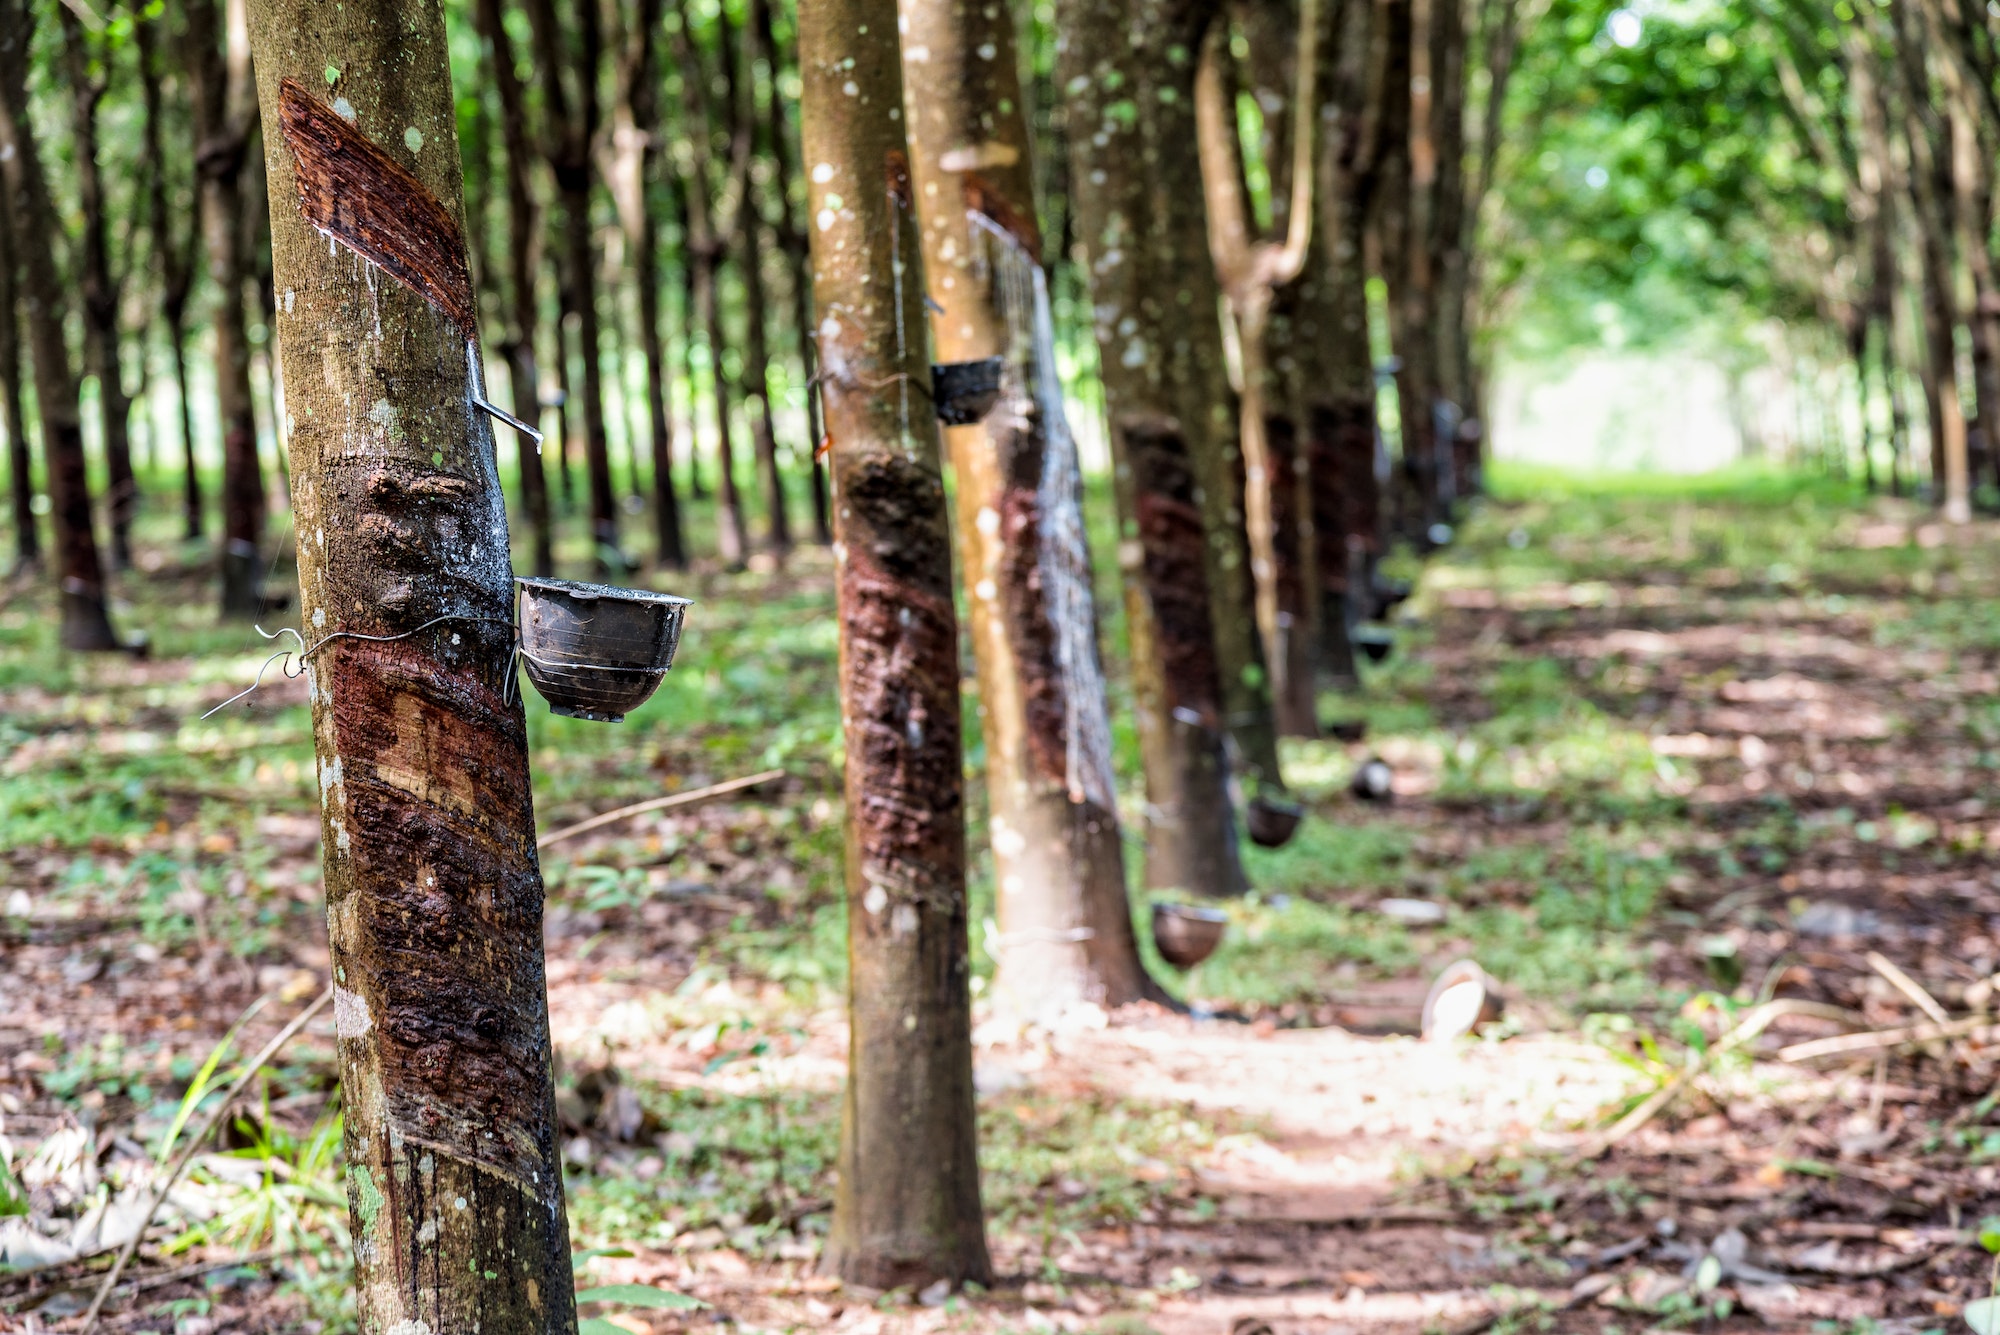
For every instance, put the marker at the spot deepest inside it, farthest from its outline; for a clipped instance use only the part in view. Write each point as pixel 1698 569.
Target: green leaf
pixel 638 1295
pixel 597 1325
pixel 1983 1315
pixel 584 1258
pixel 1708 1274
pixel 1989 1233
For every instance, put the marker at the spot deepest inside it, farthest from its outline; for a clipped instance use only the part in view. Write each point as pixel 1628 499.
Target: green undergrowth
pixel 755 1171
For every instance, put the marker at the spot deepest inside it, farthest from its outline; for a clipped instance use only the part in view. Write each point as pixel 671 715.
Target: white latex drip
pixel 1020 292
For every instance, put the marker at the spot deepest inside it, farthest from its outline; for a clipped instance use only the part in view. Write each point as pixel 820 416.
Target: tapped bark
pixel 98 288
pixel 20 462
pixel 1066 933
pixel 434 893
pixel 85 623
pixel 524 258
pixel 217 59
pixel 907 1208
pixel 1163 542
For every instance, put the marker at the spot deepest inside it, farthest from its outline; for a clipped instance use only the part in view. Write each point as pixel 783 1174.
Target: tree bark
pixel 218 65
pixel 20 461
pixel 98 288
pixel 434 894
pixel 706 245
pixel 1163 544
pixel 636 148
pixel 572 123
pixel 907 1207
pixel 85 624
pixel 1066 933
pixel 524 258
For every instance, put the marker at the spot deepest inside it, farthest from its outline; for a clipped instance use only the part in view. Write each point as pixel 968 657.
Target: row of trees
pixel 1825 165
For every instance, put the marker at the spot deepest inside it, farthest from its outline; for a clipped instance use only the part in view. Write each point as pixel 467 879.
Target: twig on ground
pixel 658 804
pixel 1908 986
pixel 194 1142
pixel 1977 1026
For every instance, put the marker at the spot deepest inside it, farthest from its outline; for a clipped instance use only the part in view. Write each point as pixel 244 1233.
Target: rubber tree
pixel 750 247
pixel 571 114
pixel 87 63
pixel 217 60
pixel 907 1207
pixel 790 190
pixel 635 138
pixel 1066 932
pixel 706 239
pixel 1260 280
pixel 1187 342
pixel 524 257
pixel 1190 831
pixel 20 461
pixel 174 242
pixel 85 623
pixel 434 893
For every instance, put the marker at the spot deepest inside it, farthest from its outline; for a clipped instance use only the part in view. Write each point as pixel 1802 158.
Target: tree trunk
pixel 1066 932
pixel 20 462
pixel 176 267
pixel 1163 545
pixel 524 259
pixel 1446 247
pixel 750 249
pixel 218 65
pixel 85 624
pixel 434 894
pixel 572 118
pixel 1186 337
pixel 907 1207
pixel 97 287
pixel 706 246
pixel 792 241
pixel 636 149
pixel 1396 233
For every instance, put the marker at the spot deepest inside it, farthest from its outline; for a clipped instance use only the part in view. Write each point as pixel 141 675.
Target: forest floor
pixel 1665 752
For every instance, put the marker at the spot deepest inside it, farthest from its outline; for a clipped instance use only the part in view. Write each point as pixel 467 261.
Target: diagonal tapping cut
pixel 352 190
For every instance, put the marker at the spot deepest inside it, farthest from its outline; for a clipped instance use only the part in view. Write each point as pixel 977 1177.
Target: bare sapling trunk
pixel 434 894
pixel 1190 832
pixel 1066 933
pixel 85 623
pixel 524 258
pixel 706 242
pixel 907 1208
pixel 217 59
pixel 98 287
pixel 20 461
pixel 635 158
pixel 572 116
